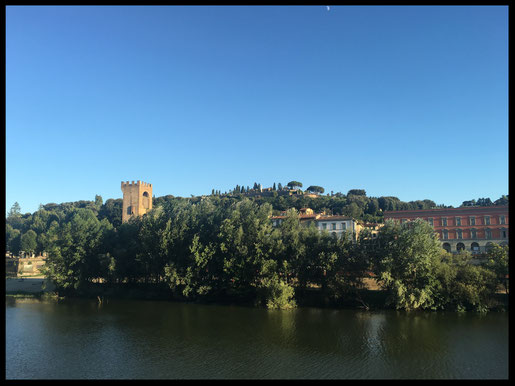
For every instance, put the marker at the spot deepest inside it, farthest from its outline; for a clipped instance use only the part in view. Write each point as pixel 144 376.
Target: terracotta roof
pixel 330 218
pixel 446 209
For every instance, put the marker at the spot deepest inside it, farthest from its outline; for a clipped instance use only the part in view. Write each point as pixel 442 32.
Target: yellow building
pixel 137 199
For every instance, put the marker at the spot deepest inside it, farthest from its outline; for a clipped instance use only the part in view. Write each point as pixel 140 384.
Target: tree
pixel 502 201
pixel 498 262
pixel 28 241
pixel 12 239
pixel 294 184
pixel 460 285
pixel 405 263
pixel 357 192
pixel 15 210
pixel 484 202
pixel 73 258
pixel 315 189
pixel 112 211
pixel 98 202
pixel 389 203
pixel 279 186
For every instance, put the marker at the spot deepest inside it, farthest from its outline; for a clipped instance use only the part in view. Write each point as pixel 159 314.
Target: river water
pixel 80 339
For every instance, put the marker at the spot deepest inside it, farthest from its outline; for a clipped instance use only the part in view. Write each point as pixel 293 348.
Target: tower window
pixel 129 210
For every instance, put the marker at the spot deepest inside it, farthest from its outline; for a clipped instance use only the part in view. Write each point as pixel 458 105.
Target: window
pixel 430 220
pixel 488 233
pixel 503 233
pixel 473 234
pixel 472 220
pixel 129 210
pixel 487 220
pixel 344 226
pixel 502 220
pixel 333 226
pixel 445 234
pixel 444 221
pixel 458 221
pixel 324 225
pixel 459 234
pixel 474 247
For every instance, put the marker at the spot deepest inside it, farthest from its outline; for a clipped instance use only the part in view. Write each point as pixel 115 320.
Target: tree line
pixel 204 249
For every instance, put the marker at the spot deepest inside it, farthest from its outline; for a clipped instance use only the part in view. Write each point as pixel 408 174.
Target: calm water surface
pixel 78 339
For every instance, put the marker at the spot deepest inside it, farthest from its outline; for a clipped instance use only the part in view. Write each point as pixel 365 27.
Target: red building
pixel 471 228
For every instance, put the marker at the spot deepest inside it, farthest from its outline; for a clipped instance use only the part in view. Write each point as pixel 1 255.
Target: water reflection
pixel 152 339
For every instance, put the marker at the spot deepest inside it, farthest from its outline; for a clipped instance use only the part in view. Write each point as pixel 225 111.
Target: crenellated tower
pixel 137 199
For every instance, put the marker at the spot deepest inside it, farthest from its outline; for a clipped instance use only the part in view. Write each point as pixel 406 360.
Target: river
pixel 125 339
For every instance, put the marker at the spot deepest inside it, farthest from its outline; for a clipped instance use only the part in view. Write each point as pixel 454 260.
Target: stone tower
pixel 137 199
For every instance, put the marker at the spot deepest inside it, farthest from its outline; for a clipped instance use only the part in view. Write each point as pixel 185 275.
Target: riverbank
pixel 371 298
pixel 29 287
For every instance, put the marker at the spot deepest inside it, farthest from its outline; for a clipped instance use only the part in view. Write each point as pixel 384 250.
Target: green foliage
pixel 405 260
pixel 74 256
pixel 357 192
pixel 498 262
pixel 294 184
pixel 28 241
pixel 12 239
pixel 15 210
pixel 462 286
pixel 315 189
pixel 275 293
pixel 203 248
pixel 98 202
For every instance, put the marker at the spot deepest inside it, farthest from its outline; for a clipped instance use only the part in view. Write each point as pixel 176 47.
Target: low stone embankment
pixel 30 285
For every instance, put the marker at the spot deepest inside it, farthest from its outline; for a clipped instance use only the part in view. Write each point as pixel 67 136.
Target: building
pixel 306 216
pixel 338 225
pixel 137 199
pixel 469 228
pixel 24 264
pixel 335 225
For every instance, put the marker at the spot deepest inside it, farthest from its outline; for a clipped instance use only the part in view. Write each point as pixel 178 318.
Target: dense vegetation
pixel 212 248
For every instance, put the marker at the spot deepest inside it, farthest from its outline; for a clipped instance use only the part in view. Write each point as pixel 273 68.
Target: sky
pixel 405 101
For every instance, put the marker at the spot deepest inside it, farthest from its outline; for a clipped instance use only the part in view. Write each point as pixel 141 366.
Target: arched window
pixel 460 247
pixel 146 200
pixel 489 246
pixel 447 247
pixel 474 247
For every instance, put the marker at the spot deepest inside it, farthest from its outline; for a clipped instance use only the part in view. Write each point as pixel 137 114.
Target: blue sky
pixel 400 101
